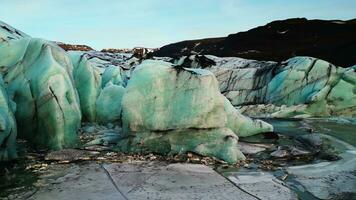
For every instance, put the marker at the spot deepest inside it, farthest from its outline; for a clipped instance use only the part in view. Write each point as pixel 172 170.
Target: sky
pixel 154 23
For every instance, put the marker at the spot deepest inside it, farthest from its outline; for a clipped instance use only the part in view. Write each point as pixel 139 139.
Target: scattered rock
pixel 69 155
pixel 248 148
pixel 299 152
pixel 280 153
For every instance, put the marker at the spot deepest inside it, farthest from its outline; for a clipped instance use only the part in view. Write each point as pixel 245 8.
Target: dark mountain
pixel 330 40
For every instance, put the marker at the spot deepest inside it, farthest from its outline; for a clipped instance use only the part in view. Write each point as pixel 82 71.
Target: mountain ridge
pixel 331 40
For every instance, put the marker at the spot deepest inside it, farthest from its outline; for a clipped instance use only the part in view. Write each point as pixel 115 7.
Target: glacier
pixel 50 92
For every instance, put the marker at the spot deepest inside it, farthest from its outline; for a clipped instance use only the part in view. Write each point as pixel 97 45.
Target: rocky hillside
pixel 333 41
pixel 74 47
pixel 138 52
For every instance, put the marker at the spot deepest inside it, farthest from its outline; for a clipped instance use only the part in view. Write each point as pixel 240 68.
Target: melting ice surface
pixel 316 178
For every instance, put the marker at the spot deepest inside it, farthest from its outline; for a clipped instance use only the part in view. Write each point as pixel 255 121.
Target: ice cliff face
pixel 8 129
pixel 164 108
pixel 174 108
pixel 182 110
pixel 38 78
pixel 298 87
